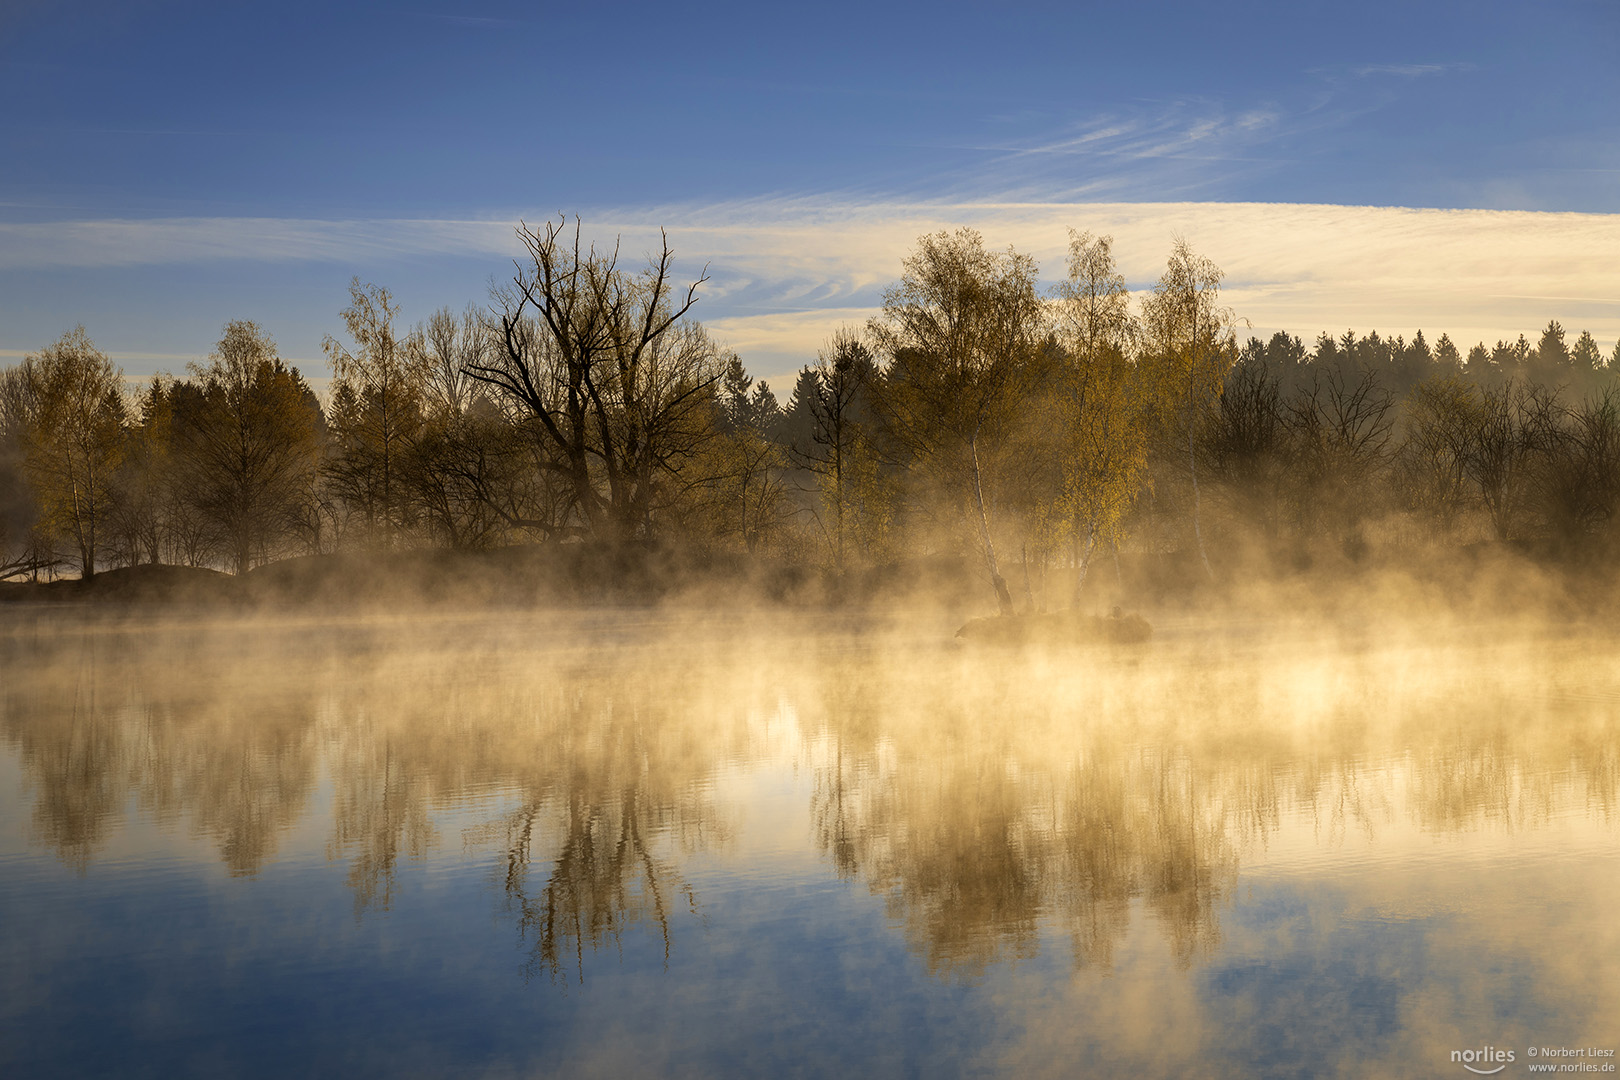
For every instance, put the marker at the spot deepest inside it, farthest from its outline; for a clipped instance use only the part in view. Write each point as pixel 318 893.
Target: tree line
pixel 977 414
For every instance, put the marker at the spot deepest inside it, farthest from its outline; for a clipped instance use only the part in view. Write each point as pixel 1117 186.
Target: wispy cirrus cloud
pixel 1159 150
pixel 1177 132
pixel 481 22
pixel 1411 71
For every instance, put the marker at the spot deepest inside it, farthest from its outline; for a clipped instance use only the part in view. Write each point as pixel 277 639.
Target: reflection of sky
pixel 252 157
pixel 784 969
pixel 1467 901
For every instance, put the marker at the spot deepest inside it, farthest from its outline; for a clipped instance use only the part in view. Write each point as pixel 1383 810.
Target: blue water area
pixel 434 854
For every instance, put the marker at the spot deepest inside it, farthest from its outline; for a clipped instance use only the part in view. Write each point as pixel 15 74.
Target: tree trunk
pixel 838 490
pixel 1004 602
pixel 1198 531
pixel 85 526
pixel 1082 560
pixel 1029 593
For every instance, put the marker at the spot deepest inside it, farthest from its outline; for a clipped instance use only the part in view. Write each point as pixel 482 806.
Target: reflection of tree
pixel 589 850
pixel 831 815
pixel 239 767
pixel 989 797
pixel 99 719
pixel 1096 869
pixel 1189 863
pixel 986 795
pixel 81 792
pixel 975 854
pixel 1460 785
pixel 603 879
pixel 607 764
pixel 56 716
pixel 1140 826
pixel 982 804
pixel 1514 768
pixel 957 862
pixel 378 811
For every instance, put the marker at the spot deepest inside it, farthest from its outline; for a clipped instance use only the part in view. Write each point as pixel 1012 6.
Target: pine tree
pixel 1585 357
pixel 1446 355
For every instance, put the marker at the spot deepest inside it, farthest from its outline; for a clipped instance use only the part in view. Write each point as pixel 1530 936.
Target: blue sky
pixel 254 157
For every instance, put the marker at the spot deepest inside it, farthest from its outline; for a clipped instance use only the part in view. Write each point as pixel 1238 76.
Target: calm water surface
pixel 633 844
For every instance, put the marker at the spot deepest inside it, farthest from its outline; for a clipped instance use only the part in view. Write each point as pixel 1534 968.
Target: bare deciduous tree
pixel 23 550
pixel 1500 451
pixel 1442 415
pixel 610 376
pixel 1340 433
pixel 1245 446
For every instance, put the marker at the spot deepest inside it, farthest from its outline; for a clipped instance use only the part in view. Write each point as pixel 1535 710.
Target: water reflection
pixel 980 797
pixel 106 723
pixel 991 798
pixel 973 851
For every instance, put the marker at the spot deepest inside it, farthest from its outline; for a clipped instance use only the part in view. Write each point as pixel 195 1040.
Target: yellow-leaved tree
pixel 67 401
pixel 244 438
pixel 376 413
pixel 1191 344
pixel 1101 399
pixel 961 332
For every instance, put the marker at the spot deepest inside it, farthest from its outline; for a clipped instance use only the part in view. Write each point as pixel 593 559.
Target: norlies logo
pixel 1484 1057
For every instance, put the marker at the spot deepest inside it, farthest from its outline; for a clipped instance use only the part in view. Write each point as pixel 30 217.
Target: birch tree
pixel 960 331
pixel 1192 342
pixel 1101 404
pixel 69 403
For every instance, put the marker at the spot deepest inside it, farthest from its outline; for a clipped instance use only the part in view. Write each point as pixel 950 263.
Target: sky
pixel 166 167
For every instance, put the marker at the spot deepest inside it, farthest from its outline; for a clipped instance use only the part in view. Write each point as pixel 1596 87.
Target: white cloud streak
pixel 58 244
pixel 786 272
pixel 1410 71
pixel 1475 274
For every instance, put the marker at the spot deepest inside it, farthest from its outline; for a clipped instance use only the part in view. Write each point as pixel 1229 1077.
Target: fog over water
pixel 681 842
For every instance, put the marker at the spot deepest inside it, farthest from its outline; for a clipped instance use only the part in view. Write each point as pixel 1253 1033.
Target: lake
pixel 624 843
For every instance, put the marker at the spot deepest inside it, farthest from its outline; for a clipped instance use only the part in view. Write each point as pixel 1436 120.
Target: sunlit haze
pixel 850 540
